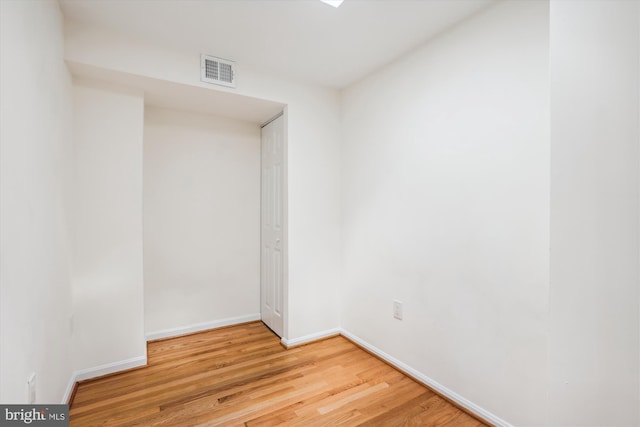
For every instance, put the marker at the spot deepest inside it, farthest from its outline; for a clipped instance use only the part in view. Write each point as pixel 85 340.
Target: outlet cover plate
pixel 397 309
pixel 31 388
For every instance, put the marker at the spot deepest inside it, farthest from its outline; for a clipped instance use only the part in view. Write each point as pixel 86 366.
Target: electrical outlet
pixel 31 389
pixel 397 309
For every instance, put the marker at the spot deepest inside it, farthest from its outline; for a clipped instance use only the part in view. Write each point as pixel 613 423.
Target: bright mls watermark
pixel 36 415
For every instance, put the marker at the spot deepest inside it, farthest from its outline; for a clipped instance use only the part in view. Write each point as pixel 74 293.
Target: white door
pixel 272 214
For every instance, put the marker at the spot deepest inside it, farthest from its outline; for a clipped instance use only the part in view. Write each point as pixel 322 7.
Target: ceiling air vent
pixel 217 71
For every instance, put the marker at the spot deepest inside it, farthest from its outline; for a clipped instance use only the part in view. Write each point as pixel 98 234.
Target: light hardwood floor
pixel 241 375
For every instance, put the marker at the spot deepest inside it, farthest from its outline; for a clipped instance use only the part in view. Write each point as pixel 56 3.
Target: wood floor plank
pixel 241 375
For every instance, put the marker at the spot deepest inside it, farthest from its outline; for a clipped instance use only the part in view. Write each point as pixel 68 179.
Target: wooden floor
pixel 241 375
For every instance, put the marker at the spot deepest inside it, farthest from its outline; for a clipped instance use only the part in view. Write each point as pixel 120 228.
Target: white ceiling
pixel 305 40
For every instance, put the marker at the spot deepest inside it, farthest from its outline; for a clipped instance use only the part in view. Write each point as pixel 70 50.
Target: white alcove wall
pixel 107 276
pixel 201 220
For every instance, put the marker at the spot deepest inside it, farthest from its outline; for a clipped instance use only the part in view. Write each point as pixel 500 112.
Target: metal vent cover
pixel 217 71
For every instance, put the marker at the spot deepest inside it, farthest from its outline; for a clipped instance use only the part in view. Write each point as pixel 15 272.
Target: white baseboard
pixel 198 327
pixel 98 371
pixel 453 396
pixel 288 343
pixel 69 390
pixel 110 368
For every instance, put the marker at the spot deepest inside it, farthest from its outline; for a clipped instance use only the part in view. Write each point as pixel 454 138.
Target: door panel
pixel 272 226
pixel 277 278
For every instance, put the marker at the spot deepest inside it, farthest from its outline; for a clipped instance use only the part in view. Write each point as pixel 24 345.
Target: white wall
pixel 108 272
pixel 313 211
pixel 313 160
pixel 594 347
pixel 445 198
pixel 35 165
pixel 201 219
